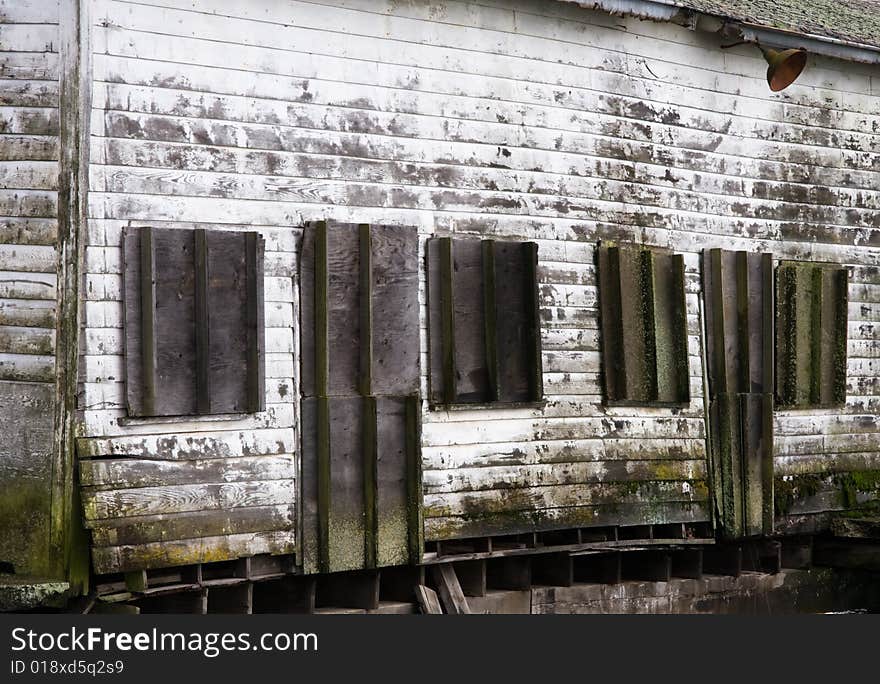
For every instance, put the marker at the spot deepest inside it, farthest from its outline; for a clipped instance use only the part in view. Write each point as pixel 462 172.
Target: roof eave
pixel 670 11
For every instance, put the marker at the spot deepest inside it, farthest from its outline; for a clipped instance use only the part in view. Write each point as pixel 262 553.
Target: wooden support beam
pixel 449 589
pixel 553 569
pixel 472 577
pixel 429 603
pixel 512 572
pixel 723 560
pixel 762 556
pixel 359 589
pixel 256 345
pixel 447 318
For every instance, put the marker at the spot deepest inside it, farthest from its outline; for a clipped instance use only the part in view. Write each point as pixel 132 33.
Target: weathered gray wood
pixel 124 558
pixel 203 322
pixel 124 503
pixel 131 472
pixel 191 525
pixel 26 455
pixel 449 589
pixel 228 303
pixel 429 602
pixel 392 505
pixel 471 373
pixel 395 306
pixel 255 247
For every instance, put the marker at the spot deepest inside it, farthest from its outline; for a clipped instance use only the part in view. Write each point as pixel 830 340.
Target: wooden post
pixel 74 111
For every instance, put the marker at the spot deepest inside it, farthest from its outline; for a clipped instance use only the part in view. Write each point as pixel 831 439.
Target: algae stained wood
pixel 738 291
pixel 360 370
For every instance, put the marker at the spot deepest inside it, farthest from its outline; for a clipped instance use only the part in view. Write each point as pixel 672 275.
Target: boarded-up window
pixel 361 459
pixel 485 336
pixel 644 325
pixel 193 322
pixel 811 329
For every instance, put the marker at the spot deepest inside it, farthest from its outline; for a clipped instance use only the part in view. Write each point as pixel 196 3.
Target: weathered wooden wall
pixel 29 162
pixel 525 119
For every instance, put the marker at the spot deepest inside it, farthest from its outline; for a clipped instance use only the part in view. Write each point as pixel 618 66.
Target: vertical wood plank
pixel 841 295
pixel 490 320
pixel 533 322
pixel 321 332
pixel 768 337
pixel 346 484
pixel 679 341
pixel 470 349
pixel 323 472
pixel 365 380
pixel 717 299
pixel 371 492
pixel 743 286
pixel 786 335
pixel 256 327
pixel 392 467
pixel 148 320
pixel 766 449
pixel 820 337
pixel 613 366
pixel 414 479
pixel 229 363
pixel 447 307
pixel 395 310
pixel 203 323
pixel 512 303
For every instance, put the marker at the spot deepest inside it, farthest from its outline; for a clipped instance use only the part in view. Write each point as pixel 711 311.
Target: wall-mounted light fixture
pixel 784 66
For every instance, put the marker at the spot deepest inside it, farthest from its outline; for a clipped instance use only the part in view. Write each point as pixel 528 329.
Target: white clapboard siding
pixel 519 119
pixel 29 39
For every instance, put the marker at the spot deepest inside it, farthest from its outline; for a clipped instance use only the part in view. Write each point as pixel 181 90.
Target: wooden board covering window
pixel 361 464
pixel 811 334
pixel 193 322
pixel 643 324
pixel 484 332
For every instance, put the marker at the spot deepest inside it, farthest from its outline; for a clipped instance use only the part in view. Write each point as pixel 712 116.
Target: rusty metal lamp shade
pixel 784 66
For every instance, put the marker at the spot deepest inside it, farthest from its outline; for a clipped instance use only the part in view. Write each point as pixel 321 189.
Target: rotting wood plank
pixel 428 601
pixel 449 589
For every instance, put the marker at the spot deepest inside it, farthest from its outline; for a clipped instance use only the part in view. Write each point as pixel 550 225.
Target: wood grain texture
pixel 527 121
